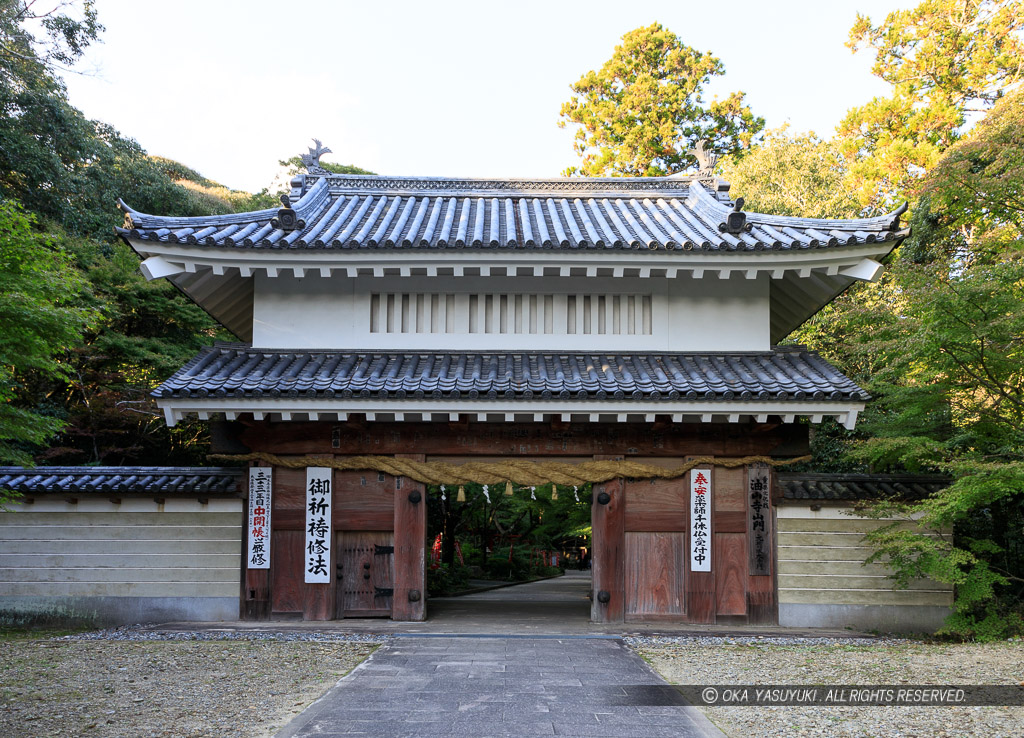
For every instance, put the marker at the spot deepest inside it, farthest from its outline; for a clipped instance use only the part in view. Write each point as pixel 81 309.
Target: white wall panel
pixel 135 548
pixel 522 313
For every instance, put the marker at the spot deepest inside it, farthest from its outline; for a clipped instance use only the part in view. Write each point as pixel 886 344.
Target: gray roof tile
pixel 227 481
pixel 851 487
pixel 237 370
pixel 123 480
pixel 355 212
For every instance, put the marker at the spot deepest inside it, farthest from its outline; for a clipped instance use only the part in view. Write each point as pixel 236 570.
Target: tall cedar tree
pixel 642 112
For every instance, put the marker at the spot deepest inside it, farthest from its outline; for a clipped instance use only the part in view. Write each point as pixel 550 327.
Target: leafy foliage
pixel 937 341
pixel 973 200
pixel 949 375
pixel 67 35
pixel 39 290
pixel 797 175
pixel 114 335
pixel 515 524
pixel 447 579
pixel 945 60
pixel 644 109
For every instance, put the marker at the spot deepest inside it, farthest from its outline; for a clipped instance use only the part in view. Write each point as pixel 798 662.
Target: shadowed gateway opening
pixel 550 605
pixel 510 553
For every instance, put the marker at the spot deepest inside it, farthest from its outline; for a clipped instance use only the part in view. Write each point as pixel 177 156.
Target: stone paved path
pixel 501 686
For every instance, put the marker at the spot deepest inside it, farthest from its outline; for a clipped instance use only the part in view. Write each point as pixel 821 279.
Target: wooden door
pixel 286 569
pixel 729 544
pixel 366 573
pixel 654 576
pixel 655 542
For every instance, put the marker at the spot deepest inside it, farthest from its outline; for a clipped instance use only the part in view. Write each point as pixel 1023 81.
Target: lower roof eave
pixel 339 409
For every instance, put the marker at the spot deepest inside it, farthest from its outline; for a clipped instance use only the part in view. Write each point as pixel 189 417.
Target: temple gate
pixel 578 321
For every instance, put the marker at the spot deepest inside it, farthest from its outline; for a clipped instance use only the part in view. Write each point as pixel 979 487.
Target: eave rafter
pixel 172 260
pixel 293 409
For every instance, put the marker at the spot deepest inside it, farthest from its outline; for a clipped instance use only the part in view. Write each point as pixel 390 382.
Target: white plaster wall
pixel 824 580
pixel 698 315
pixel 136 548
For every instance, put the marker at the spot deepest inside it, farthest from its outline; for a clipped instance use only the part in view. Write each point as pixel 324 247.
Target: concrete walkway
pixel 516 661
pixel 501 686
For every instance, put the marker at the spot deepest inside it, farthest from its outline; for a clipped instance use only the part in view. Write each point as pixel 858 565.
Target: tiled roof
pixel 234 370
pixel 796 486
pixel 226 481
pixel 357 212
pixel 126 480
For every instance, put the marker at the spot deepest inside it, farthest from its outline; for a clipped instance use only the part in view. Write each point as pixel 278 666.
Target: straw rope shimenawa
pixel 517 471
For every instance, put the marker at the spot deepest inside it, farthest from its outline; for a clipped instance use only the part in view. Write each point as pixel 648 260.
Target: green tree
pixel 41 316
pixel 644 109
pixel 972 202
pixel 524 520
pixel 803 175
pixel 948 365
pixel 797 175
pixel 67 171
pixel 937 340
pixel 949 389
pixel 945 60
pixel 148 330
pixel 25 57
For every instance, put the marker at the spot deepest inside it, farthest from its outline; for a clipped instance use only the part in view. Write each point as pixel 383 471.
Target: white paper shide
pixel 700 520
pixel 259 517
pixel 318 525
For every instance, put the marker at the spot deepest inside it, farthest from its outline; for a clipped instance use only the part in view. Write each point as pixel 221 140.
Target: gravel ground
pixel 140 683
pixel 127 683
pixel 839 661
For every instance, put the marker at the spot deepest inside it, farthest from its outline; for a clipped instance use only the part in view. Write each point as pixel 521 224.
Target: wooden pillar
pixel 609 549
pixel 763 604
pixel 255 599
pixel 410 588
pixel 730 555
pixel 318 601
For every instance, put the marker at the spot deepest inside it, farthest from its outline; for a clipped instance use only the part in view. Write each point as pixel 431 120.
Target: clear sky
pixel 432 88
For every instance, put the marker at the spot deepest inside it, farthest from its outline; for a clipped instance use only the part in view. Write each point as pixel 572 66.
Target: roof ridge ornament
pixel 312 160
pixel 123 207
pixel 706 161
pixel 894 224
pixel 286 219
pixel 736 221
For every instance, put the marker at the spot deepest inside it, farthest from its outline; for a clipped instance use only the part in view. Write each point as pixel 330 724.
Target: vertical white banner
pixel 700 520
pixel 318 525
pixel 259 517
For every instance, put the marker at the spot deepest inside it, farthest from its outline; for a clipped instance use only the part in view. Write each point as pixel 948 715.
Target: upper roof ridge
pixel 463 186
